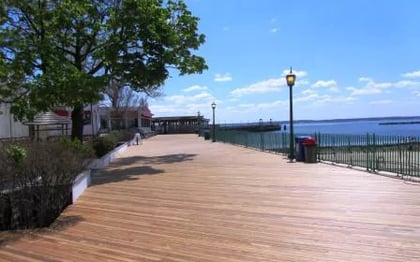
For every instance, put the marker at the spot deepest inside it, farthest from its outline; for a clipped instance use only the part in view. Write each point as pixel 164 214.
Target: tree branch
pixel 31 23
pixel 95 69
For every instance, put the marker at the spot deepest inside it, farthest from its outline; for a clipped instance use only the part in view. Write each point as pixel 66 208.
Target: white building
pixel 91 118
pixel 9 128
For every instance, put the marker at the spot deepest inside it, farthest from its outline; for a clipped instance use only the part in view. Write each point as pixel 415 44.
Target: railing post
pixel 373 160
pixel 367 151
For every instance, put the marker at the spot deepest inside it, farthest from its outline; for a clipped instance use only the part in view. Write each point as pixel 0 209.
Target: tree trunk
pixel 77 123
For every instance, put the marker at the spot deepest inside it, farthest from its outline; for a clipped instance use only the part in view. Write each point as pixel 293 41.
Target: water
pixel 358 127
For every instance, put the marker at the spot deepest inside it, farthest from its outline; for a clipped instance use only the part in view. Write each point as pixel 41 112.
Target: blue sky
pixel 352 59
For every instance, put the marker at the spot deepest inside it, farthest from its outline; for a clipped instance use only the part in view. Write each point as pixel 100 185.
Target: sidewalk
pixel 181 198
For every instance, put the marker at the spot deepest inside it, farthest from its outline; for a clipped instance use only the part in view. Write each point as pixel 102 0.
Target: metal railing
pixel 395 154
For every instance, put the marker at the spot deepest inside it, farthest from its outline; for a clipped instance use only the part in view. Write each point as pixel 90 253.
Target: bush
pixel 15 152
pixel 36 181
pixel 84 149
pixel 103 144
pixel 123 135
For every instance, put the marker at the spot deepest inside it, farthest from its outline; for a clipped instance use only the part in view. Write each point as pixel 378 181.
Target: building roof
pixel 131 112
pixel 146 112
pixel 48 118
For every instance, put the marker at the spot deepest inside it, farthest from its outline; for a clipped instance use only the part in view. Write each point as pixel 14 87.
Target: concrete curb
pixel 83 180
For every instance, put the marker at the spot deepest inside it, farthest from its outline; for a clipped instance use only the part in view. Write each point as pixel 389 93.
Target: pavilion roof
pixel 48 118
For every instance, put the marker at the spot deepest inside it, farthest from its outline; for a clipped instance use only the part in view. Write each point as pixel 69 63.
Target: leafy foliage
pixel 66 52
pixel 84 150
pixel 16 153
pixel 36 181
pixel 123 135
pixel 104 144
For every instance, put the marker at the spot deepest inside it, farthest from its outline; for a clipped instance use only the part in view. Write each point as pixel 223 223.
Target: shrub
pixel 15 152
pixel 123 135
pixel 84 149
pixel 103 144
pixel 12 161
pixel 36 181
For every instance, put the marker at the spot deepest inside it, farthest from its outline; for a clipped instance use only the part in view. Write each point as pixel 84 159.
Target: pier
pixel 182 198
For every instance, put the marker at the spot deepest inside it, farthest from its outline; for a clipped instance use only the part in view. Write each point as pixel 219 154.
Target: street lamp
pixel 261 135
pixel 198 122
pixel 213 106
pixel 290 79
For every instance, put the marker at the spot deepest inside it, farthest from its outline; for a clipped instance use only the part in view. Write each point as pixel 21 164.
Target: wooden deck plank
pixel 180 198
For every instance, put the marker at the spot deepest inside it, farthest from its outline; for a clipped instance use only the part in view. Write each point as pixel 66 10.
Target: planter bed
pixel 39 206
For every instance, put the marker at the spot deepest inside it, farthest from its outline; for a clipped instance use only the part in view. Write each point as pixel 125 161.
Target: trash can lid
pixel 309 141
pixel 301 138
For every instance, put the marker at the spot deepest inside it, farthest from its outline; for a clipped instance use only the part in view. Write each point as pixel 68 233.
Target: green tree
pixel 65 52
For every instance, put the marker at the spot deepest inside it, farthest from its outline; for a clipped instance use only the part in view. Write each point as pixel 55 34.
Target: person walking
pixel 138 138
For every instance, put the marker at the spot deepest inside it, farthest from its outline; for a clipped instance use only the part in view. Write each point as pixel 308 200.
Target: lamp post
pixel 261 135
pixel 290 79
pixel 213 106
pixel 198 122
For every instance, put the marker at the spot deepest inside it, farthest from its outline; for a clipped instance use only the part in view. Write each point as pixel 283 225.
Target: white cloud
pixel 301 82
pixel 325 84
pixel 266 86
pixel 312 95
pixel 182 99
pixel 222 77
pixel 308 92
pixel 407 83
pixel 296 72
pixel 307 98
pixel 274 104
pixel 412 74
pixel 380 85
pixel 371 87
pixel 334 89
pixel 184 105
pixel 416 93
pixel 381 102
pixel 363 91
pixel 162 109
pixel 365 79
pixel 337 100
pixel 258 107
pixel 326 99
pixel 195 88
pixel 330 84
pixel 274 30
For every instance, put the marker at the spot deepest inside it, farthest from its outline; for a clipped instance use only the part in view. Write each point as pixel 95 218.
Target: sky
pixel 352 59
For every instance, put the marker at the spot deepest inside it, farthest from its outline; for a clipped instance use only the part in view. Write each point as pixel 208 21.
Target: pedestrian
pixel 138 138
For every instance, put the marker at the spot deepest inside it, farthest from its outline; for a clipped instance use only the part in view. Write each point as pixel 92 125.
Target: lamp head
pixel 290 78
pixel 213 105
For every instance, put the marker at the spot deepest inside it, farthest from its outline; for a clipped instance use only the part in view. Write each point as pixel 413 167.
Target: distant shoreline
pixel 400 123
pixel 338 120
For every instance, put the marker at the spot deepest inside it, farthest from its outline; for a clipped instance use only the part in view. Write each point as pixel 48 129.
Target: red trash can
pixel 309 145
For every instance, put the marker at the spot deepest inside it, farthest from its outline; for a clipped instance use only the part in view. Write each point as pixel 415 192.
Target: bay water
pixel 359 127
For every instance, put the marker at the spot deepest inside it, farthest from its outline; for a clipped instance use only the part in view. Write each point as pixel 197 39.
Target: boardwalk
pixel 180 198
